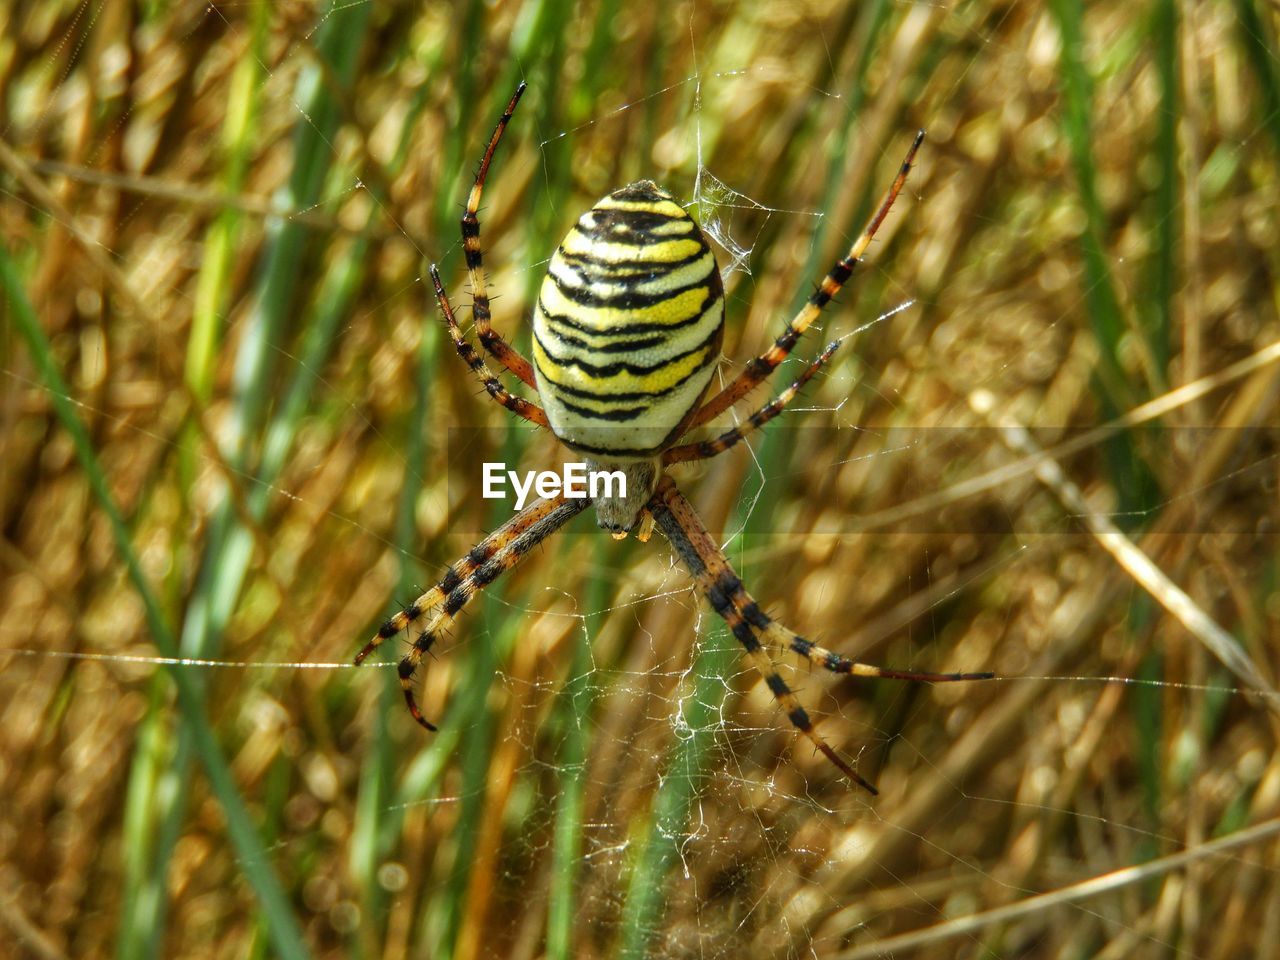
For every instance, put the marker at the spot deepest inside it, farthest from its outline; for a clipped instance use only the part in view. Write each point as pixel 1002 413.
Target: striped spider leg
pixel 525 409
pixel 759 369
pixel 489 338
pixel 753 628
pixel 484 563
pixel 706 449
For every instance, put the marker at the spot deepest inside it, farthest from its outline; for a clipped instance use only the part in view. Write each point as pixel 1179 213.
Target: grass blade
pixel 278 913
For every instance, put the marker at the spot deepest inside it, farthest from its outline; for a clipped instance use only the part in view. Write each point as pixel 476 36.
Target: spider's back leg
pixel 484 563
pixel 719 584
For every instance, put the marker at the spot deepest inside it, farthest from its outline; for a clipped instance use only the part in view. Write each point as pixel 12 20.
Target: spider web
pixel 608 768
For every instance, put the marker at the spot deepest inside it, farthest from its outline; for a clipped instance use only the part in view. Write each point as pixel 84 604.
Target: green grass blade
pixel 1099 288
pixel 278 913
pixel 665 832
pixel 1133 480
pixel 229 546
pixel 152 786
pixel 1163 281
pixel 1260 47
pixel 579 698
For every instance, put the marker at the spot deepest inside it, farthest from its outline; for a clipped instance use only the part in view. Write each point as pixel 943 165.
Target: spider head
pixel 618 508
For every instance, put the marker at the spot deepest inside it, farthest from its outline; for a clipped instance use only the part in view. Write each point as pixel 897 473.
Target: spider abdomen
pixel 628 325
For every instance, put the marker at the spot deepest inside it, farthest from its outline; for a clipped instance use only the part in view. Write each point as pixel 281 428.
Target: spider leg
pixel 484 562
pixel 521 536
pixel 704 449
pixel 781 636
pixel 482 552
pixel 489 338
pixel 762 366
pixel 717 581
pixel 517 405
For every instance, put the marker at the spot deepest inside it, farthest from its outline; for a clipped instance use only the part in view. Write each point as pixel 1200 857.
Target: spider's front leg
pixel 759 369
pixel 484 563
pixel 472 250
pixel 522 408
pixel 705 449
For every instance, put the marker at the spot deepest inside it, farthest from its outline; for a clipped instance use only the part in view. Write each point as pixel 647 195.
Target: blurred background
pixel 227 403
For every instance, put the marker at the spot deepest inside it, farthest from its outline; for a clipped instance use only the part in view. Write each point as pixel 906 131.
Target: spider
pixel 626 336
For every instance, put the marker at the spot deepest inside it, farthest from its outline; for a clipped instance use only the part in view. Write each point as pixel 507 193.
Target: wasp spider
pixel 626 337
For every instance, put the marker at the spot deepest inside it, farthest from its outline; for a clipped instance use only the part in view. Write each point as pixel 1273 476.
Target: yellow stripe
pixel 670 229
pixel 611 320
pixel 665 208
pixel 663 251
pixel 659 380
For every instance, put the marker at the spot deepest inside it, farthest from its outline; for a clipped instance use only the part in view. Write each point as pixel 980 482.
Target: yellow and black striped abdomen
pixel 627 329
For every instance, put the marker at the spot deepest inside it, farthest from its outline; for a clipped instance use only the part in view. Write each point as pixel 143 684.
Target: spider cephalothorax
pixel 626 336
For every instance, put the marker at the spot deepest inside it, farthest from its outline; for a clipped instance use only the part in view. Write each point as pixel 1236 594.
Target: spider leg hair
pixel 705 449
pixel 484 563
pixel 493 386
pixel 759 369
pixel 719 584
pixel 489 338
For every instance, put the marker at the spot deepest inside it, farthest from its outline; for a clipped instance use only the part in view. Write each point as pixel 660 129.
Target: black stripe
pixel 727 581
pixel 630 287
pixel 633 452
pixel 718 599
pixel 449 583
pixel 609 227
pixel 839 273
pixel 621 366
pixel 580 261
pixel 568 321
pixel 744 635
pixel 636 299
pixel 755 616
pixel 642 191
pixel 487 572
pixel 636 221
pixel 617 346
pixel 456 600
pixel 583 263
pixel 559 388
pixel 616 416
pixel 425 640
